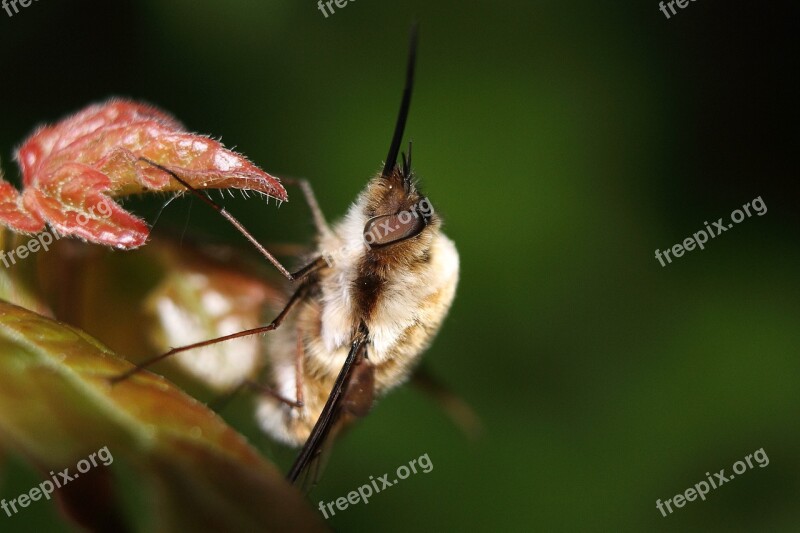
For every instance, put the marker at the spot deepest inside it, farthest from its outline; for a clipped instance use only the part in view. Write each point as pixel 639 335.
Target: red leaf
pixel 72 170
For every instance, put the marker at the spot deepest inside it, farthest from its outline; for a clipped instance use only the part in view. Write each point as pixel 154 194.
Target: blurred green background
pixel 563 142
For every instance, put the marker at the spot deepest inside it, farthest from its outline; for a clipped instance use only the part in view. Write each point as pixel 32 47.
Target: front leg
pixel 296 297
pixel 311 200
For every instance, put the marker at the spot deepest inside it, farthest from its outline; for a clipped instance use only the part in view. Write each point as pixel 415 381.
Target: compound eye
pixel 389 229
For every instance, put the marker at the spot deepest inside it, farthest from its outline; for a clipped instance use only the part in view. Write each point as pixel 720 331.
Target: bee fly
pixel 366 306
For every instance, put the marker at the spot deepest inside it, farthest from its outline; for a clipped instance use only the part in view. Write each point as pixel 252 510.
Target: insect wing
pixel 346 394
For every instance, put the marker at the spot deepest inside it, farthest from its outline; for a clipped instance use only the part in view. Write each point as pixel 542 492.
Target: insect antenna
pixel 407 166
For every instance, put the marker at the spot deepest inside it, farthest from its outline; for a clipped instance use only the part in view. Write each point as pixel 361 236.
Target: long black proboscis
pixel 400 126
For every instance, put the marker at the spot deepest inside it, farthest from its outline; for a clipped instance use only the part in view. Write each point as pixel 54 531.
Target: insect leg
pixel 311 199
pixel 313 266
pixel 269 391
pixel 459 411
pixel 296 297
pixel 230 218
pixel 220 403
pixel 298 367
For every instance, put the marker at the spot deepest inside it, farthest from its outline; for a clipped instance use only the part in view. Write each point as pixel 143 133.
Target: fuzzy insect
pixel 360 314
pixel 363 310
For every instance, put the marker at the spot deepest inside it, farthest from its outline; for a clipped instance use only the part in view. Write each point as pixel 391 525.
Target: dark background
pixel 563 142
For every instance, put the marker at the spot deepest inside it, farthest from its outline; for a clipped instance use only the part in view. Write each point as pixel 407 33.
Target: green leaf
pixel 57 407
